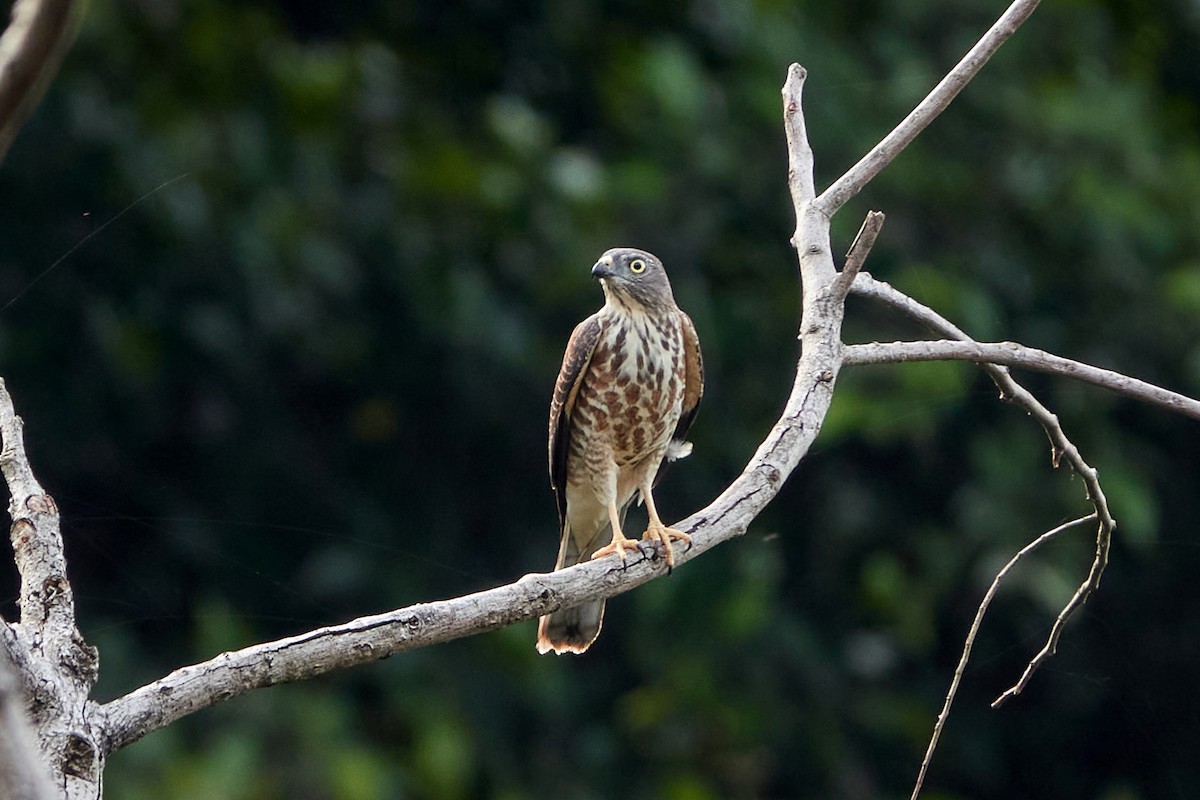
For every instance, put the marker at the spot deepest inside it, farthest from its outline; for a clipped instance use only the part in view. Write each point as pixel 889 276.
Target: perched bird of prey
pixel 629 388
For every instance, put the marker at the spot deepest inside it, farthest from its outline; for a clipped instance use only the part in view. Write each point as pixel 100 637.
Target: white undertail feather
pixel 678 449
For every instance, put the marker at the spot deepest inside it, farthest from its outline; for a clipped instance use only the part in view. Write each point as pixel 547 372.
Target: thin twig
pixel 1080 597
pixel 860 248
pixel 927 111
pixel 1013 354
pixel 1060 447
pixel 973 633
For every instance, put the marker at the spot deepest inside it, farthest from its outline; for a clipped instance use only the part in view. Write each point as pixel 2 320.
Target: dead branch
pixel 22 774
pixel 974 633
pixel 57 667
pixel 927 110
pixel 1060 447
pixel 856 256
pixel 191 688
pixel 46 594
pixel 46 602
pixel 31 48
pixel 1012 354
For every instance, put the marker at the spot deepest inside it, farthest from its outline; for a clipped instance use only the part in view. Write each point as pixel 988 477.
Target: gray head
pixel 630 276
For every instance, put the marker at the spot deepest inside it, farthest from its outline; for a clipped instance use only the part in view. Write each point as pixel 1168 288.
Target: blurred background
pixel 324 259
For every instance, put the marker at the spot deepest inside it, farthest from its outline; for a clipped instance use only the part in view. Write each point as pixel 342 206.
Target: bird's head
pixel 630 275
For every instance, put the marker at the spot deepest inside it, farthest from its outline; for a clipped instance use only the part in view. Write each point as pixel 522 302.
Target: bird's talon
pixel 666 535
pixel 617 546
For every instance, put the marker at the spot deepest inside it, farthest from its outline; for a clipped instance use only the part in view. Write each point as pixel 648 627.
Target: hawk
pixel 628 390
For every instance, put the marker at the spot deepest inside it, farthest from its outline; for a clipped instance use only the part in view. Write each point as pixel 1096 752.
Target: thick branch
pixel 57 667
pixel 45 598
pixel 30 50
pixel 934 103
pixel 22 771
pixel 1012 354
pixel 46 602
pixel 370 638
pixel 367 639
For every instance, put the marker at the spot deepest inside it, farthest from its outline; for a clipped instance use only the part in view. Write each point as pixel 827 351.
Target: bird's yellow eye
pixel 637 266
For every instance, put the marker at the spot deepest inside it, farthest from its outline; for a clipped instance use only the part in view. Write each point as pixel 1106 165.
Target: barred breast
pixel 632 394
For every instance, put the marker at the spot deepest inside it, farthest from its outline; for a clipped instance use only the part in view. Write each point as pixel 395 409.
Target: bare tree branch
pixel 811 237
pixel 860 248
pixel 58 667
pixel 46 601
pixel 1060 447
pixel 970 641
pixel 1012 354
pixel 22 774
pixel 48 651
pixel 371 638
pixel 230 674
pixel 927 110
pixel 30 51
pixel 800 178
pixel 189 689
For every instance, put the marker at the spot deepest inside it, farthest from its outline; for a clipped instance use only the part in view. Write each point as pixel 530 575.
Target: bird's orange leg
pixel 619 542
pixel 657 531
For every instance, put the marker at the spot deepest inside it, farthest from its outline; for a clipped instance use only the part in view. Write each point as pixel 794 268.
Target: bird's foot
pixel 662 533
pixel 618 545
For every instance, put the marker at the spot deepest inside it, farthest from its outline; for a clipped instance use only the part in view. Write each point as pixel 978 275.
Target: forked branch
pixel 369 638
pixel 973 633
pixel 1060 447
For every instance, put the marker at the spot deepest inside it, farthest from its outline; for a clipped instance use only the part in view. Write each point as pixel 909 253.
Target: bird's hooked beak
pixel 603 268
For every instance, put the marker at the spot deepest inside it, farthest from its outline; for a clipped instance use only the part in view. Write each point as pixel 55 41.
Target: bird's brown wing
pixel 693 377
pixel 575 363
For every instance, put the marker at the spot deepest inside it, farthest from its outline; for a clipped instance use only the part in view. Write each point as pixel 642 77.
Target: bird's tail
pixel 572 630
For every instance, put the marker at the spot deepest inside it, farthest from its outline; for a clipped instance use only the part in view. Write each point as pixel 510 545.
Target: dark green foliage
pixel 307 379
